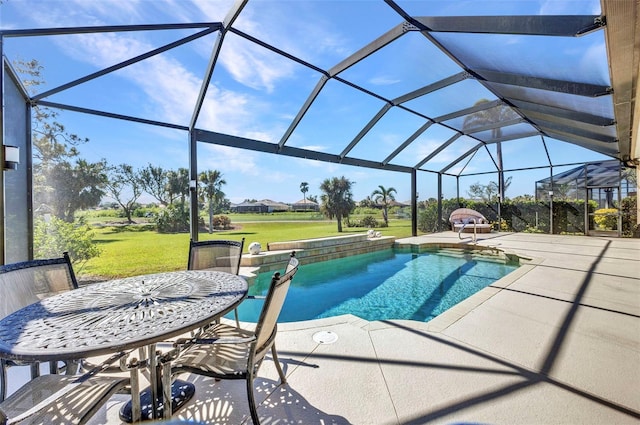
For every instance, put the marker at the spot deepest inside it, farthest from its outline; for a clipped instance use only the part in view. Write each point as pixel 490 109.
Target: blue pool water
pixel 378 286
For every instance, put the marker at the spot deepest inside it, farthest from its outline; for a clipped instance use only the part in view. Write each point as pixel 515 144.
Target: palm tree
pixel 304 188
pixel 337 200
pixel 178 185
pixel 212 182
pixel 384 196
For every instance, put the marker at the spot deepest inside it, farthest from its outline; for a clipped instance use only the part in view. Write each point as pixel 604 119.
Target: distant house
pixel 274 206
pixel 263 206
pixel 395 203
pixel 392 203
pixel 249 207
pixel 305 205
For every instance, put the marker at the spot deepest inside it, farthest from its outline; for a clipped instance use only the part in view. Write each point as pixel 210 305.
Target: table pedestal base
pixel 181 393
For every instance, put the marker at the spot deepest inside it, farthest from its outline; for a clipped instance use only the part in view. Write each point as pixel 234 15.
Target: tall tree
pixel 125 188
pixel 62 183
pixel 384 196
pixel 304 188
pixel 211 192
pixel 70 187
pixel 154 181
pixel 487 192
pixel 337 199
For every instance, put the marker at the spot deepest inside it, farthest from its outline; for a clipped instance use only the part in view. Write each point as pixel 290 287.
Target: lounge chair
pixel 466 220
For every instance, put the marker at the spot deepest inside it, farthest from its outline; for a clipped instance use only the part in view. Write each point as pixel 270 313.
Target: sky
pixel 255 93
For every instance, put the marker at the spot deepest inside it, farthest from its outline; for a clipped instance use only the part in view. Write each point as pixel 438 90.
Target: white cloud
pixel 228 160
pixel 384 81
pixel 253 65
pixel 318 148
pixel 297 27
pixel 594 63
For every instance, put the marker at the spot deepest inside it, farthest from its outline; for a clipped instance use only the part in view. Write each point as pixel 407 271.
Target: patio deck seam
pixel 384 378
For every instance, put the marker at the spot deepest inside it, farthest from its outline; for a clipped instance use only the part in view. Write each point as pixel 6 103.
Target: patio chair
pixel 66 399
pixel 28 282
pixel 218 255
pixel 225 352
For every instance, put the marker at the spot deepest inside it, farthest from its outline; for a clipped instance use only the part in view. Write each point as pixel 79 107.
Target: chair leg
pixel 274 354
pixel 3 380
pixel 235 311
pixel 136 408
pixel 165 373
pixel 73 367
pixel 35 370
pixel 252 400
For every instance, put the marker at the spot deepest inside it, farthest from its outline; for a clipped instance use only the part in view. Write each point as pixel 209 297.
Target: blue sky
pixel 255 93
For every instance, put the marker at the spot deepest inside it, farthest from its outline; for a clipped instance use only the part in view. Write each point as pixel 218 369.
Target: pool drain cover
pixel 325 337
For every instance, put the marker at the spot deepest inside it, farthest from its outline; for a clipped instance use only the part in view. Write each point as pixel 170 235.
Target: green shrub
pixel 103 213
pixel 366 210
pixel 629 216
pixel 133 228
pixel 52 237
pixel 606 218
pixel 172 219
pixel 530 229
pixel 517 216
pixel 221 222
pixel 367 221
pixel 145 212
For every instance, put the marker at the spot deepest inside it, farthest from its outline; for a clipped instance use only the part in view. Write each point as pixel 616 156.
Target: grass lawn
pixel 131 253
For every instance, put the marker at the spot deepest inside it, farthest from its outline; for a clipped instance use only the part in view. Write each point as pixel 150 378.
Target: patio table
pixel 122 314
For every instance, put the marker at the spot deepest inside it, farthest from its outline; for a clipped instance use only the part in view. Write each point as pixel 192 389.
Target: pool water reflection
pixel 380 285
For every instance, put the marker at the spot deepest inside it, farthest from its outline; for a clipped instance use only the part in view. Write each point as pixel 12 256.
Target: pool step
pixel 481 255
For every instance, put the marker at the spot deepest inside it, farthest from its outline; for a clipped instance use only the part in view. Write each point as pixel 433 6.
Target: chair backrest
pixel 266 327
pixel 27 282
pixel 219 255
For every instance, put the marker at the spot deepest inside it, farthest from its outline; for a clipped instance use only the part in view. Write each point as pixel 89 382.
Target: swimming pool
pixel 380 285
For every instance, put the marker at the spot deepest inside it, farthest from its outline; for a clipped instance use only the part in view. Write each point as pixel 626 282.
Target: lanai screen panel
pixel 560 65
pixel 17 202
pixel 379 84
pixel 394 128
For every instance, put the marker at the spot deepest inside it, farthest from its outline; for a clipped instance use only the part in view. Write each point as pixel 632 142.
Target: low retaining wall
pixel 314 250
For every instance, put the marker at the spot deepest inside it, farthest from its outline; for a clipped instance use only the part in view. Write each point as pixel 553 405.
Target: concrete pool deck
pixel 556 342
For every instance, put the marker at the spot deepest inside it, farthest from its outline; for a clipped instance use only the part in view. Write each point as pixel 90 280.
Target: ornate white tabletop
pixel 118 315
